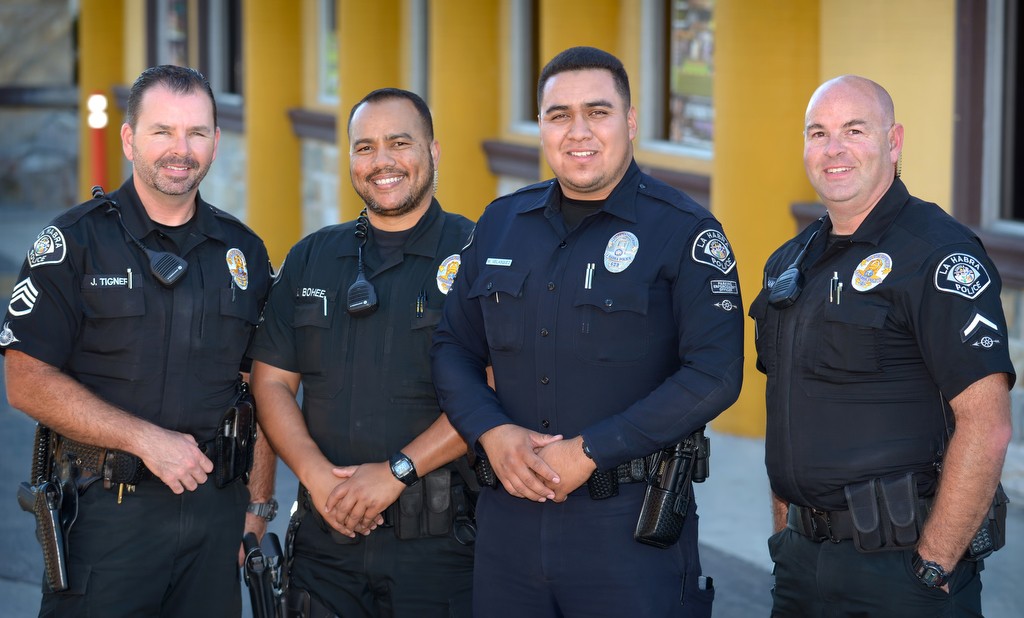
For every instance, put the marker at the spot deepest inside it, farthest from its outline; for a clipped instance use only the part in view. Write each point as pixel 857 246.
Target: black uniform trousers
pixel 819 580
pixel 578 559
pixel 155 555
pixel 380 575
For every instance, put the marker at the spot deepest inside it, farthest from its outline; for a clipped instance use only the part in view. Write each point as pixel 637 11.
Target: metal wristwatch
pixel 266 510
pixel 403 469
pixel 930 573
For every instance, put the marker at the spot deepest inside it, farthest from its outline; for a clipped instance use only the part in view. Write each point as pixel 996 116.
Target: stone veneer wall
pixel 319 185
pixel 38 144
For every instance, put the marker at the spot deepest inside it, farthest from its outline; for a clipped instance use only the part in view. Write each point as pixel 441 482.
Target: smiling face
pixel 851 145
pixel 391 160
pixel 586 131
pixel 173 143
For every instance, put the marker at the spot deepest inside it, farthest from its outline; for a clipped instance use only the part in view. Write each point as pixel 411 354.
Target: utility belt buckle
pixel 821 526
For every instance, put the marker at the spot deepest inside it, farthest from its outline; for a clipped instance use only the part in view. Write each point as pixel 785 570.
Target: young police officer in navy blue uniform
pixel 608 306
pixel 387 532
pixel 888 378
pixel 111 359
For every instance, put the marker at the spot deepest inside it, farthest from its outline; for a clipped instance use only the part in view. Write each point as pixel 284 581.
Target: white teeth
pixel 838 170
pixel 582 154
pixel 387 181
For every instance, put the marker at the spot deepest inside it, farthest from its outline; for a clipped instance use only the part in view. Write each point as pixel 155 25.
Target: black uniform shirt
pixel 87 303
pixel 365 380
pixel 627 330
pixel 858 374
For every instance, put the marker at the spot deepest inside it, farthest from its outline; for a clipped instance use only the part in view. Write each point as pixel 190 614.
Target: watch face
pixel 401 467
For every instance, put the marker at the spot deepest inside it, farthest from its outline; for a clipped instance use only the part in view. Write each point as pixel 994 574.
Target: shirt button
pixel 543 332
pixel 551 285
pixel 490 285
pixel 607 302
pixel 563 245
pixel 544 380
pixel 643 186
pixel 545 423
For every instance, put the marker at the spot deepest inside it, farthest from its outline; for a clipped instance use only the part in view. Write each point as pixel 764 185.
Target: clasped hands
pixel 536 466
pixel 352 499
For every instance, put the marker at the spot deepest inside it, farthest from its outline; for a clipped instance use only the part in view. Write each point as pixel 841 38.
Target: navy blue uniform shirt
pixel 858 375
pixel 627 330
pixel 85 302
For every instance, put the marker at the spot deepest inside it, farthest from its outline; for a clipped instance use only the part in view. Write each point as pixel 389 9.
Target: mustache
pixel 178 162
pixel 384 170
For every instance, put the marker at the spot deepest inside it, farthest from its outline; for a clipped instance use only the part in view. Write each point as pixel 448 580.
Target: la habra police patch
pixel 49 248
pixel 712 248
pixel 962 274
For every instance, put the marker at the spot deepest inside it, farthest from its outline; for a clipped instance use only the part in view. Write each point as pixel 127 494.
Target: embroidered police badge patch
pixel 712 248
pixel 446 272
pixel 23 298
pixel 49 248
pixel 7 336
pixel 961 274
pixel 236 266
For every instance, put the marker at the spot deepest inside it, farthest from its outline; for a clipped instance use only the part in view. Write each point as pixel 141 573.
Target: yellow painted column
pixel 370 40
pixel 766 60
pixel 101 50
pixel 273 85
pixel 465 84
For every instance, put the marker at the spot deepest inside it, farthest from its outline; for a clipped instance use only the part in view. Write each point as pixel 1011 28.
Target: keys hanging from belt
pixel 120 490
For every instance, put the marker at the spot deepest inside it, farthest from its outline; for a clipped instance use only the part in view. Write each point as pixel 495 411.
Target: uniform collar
pixel 621 202
pixel 423 240
pixel 141 225
pixel 882 215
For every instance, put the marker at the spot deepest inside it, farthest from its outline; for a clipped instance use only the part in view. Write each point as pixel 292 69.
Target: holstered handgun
pixel 263 575
pixel 235 444
pixel 669 490
pixel 44 502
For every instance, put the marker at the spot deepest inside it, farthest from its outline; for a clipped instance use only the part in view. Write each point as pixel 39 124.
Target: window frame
pixel 978 88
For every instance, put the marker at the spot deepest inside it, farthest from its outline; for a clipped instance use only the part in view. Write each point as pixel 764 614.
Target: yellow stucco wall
pixel 909 48
pixel 464 92
pixel 765 65
pixel 272 85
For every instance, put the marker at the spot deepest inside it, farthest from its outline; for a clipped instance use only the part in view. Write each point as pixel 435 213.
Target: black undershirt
pixel 575 211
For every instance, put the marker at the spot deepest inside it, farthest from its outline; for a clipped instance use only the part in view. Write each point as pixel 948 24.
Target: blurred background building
pixel 720 87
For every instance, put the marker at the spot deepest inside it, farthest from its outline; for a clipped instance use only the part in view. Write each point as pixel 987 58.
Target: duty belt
pixel 820 526
pixel 115 467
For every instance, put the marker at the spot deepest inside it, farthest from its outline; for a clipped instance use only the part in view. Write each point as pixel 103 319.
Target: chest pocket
pixel 851 341
pixel 312 323
pixel 105 330
pixel 612 321
pixel 500 293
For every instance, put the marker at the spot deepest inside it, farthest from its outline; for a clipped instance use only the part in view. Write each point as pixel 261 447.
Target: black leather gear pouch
pixel 235 445
pixel 661 518
pixel 900 512
pixel 410 506
pixel 863 504
pixel 438 512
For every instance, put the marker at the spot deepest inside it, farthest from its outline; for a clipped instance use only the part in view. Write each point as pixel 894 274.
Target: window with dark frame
pixel 689 69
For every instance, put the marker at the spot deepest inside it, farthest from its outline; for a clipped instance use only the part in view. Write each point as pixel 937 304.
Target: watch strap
pixel 266 510
pixel 930 573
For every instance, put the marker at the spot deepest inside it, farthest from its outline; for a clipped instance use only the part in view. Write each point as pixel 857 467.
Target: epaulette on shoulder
pixel 664 192
pixel 229 218
pixel 75 213
pixel 536 187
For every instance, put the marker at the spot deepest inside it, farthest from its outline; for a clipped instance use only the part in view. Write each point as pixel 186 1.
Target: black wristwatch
pixel 266 510
pixel 403 469
pixel 930 573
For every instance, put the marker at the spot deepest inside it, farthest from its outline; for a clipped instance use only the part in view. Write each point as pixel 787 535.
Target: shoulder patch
pixel 961 274
pixel 711 247
pixel 49 248
pixel 23 298
pixel 7 336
